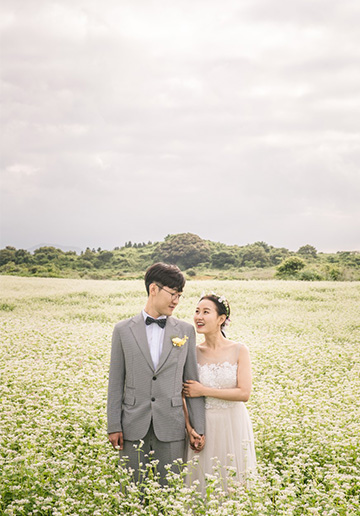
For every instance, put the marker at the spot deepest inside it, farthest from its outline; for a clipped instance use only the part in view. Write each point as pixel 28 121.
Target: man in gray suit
pixel 152 354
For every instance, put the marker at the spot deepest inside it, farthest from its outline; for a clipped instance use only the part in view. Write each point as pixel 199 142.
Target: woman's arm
pixel 241 392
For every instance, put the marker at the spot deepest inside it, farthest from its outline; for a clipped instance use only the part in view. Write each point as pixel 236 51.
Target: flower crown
pixel 222 300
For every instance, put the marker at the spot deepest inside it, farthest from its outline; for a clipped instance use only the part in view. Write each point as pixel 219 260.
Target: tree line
pixel 198 257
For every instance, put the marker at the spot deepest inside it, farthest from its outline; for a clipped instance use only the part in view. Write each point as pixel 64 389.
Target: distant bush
pixel 332 272
pixel 290 267
pixel 310 275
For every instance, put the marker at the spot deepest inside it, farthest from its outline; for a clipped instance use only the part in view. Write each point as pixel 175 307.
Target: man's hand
pixel 117 440
pixel 196 441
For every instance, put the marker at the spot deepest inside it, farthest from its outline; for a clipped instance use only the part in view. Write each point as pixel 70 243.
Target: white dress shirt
pixel 155 338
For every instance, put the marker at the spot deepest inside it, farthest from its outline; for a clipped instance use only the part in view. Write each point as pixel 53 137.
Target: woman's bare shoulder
pixel 239 348
pixel 236 345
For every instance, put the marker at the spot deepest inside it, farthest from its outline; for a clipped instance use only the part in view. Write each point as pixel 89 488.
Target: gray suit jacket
pixel 138 394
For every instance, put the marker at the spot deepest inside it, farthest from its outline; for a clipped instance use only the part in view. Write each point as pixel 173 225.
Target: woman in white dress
pixel 225 381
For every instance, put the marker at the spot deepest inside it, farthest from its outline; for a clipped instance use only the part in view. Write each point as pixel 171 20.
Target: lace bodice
pixel 219 376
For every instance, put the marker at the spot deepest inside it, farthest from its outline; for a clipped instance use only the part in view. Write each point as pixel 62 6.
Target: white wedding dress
pixel 229 434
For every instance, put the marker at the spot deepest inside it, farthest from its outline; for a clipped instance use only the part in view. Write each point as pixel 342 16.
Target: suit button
pixel 152 399
pixel 154 377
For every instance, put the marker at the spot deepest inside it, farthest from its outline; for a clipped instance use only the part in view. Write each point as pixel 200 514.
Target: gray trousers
pixel 164 452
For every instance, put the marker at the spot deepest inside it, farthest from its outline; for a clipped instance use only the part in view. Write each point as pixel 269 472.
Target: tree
pixel 222 259
pixel 254 255
pixel 104 258
pixel 264 245
pixel 185 250
pixel 89 254
pixel 7 255
pixel 46 254
pixel 349 258
pixel 22 256
pixel 278 254
pixel 308 251
pixel 290 266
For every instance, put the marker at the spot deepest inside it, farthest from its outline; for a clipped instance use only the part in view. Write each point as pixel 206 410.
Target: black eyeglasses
pixel 174 295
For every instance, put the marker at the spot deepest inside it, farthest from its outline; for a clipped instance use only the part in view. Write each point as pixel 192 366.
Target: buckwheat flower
pixel 302 340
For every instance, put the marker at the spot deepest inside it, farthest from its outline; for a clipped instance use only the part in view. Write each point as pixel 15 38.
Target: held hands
pixel 196 441
pixel 193 389
pixel 117 440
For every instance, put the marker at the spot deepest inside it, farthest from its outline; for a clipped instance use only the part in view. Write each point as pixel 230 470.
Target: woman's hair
pixel 222 307
pixel 166 275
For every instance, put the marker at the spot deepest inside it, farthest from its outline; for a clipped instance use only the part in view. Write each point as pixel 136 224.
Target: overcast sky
pixel 237 120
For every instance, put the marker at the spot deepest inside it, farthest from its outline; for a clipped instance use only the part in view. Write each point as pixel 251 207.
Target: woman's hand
pixel 193 389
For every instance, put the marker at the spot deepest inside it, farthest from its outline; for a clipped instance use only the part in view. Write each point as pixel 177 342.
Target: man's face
pixel 165 299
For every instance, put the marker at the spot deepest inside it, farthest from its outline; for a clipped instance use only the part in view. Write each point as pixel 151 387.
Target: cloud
pixel 130 121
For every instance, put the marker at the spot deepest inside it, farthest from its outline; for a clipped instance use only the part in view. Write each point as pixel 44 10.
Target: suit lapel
pixel 137 327
pixel 170 331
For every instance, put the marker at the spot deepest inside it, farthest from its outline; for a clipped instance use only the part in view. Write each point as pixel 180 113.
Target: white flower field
pixel 305 406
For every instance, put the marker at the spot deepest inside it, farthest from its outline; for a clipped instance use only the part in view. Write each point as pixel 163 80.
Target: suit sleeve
pixel 116 384
pixel 195 406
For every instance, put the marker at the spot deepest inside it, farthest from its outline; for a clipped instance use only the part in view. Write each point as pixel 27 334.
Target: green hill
pixel 200 259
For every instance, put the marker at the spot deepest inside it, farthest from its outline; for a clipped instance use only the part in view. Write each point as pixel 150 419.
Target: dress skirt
pixel 229 446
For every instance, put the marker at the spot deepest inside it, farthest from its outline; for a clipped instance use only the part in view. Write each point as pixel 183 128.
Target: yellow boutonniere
pixel 179 342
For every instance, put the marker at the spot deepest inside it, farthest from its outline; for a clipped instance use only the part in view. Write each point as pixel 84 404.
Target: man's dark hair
pixel 166 275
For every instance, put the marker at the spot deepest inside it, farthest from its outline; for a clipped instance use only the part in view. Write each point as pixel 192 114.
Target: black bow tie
pixel 160 322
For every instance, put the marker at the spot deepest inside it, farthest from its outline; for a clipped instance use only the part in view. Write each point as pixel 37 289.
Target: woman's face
pixel 206 318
